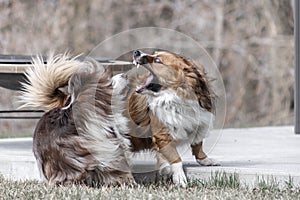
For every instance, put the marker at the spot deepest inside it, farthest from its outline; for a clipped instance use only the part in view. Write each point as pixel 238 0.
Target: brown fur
pixel 65 153
pixel 67 149
pixel 140 135
pixel 189 81
pixel 58 149
pixel 185 77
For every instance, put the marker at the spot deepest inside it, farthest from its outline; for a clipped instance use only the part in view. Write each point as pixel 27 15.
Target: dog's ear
pixel 108 71
pixel 154 52
pixel 64 90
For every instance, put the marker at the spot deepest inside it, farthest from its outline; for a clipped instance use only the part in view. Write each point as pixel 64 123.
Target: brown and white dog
pixel 175 100
pixel 78 140
pixel 85 136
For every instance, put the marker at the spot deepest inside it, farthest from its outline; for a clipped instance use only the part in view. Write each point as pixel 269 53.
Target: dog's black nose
pixel 136 53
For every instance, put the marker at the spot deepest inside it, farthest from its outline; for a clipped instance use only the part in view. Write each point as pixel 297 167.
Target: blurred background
pixel 251 42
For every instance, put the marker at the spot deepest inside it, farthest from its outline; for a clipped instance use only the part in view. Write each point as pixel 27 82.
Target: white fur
pixel 97 141
pixel 94 128
pixel 118 83
pixel 178 176
pixel 43 79
pixel 118 107
pixel 165 169
pixel 185 119
pixel 208 162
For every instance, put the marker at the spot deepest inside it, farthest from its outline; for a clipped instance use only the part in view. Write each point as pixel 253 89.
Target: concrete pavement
pixel 268 152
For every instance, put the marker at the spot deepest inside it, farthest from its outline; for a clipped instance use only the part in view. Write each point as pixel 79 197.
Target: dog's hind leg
pixel 201 157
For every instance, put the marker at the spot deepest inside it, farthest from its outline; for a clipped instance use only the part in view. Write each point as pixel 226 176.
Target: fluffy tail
pixel 41 89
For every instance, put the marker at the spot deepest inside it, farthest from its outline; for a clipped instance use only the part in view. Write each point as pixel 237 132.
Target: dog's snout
pixel 140 57
pixel 137 53
pixel 124 76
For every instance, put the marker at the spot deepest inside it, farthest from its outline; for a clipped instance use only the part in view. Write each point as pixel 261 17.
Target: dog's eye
pixel 157 60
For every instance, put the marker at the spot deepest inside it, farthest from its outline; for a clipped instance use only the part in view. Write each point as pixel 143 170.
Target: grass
pixel 219 186
pixel 15 135
pixel 26 132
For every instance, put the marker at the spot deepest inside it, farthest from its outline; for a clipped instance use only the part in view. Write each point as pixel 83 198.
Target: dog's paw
pixel 165 170
pixel 178 176
pixel 208 162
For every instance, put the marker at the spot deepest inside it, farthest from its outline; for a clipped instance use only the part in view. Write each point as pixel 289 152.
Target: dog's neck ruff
pixel 183 117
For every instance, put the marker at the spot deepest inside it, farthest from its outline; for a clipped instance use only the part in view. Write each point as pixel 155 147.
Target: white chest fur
pixel 185 119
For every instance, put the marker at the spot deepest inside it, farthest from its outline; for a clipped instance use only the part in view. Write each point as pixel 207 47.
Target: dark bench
pixel 12 68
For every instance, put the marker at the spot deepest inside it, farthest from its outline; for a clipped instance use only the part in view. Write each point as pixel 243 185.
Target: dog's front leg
pixel 167 151
pixel 170 153
pixel 163 165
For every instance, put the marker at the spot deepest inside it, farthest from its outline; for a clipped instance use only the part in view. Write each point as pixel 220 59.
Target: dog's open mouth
pixel 150 83
pixel 143 86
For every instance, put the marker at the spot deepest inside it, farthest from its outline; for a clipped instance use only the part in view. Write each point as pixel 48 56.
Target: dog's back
pixel 79 143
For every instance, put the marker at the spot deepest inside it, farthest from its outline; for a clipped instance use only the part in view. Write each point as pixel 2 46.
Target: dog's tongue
pixel 141 87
